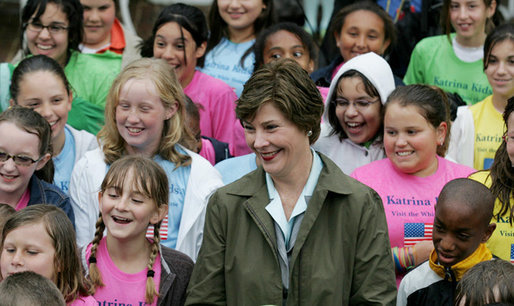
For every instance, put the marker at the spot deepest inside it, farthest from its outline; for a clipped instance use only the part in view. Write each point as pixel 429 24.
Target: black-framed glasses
pixel 19 160
pixel 52 28
pixel 360 104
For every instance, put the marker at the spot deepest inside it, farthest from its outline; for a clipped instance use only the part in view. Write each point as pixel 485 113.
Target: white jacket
pixel 89 173
pixel 345 153
pixel 84 141
pixel 462 138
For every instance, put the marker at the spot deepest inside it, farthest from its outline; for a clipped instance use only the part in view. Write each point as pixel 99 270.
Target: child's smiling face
pixel 458 231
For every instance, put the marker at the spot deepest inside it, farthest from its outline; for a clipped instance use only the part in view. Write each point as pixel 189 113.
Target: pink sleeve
pixel 226 126
pixel 207 151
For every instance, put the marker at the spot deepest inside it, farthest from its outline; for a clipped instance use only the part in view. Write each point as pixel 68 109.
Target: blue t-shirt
pixel 64 162
pixel 177 180
pixel 224 62
pixel 234 168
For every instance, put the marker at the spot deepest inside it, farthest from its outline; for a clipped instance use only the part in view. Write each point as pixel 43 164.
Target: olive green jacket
pixel 341 255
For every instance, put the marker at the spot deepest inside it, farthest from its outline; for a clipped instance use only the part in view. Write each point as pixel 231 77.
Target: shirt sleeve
pixel 374 281
pixel 84 203
pixel 415 71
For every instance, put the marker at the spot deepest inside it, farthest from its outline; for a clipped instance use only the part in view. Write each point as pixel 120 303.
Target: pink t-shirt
pixel 207 151
pixel 409 200
pixel 324 93
pixel 24 200
pixel 217 114
pixel 84 301
pixel 121 287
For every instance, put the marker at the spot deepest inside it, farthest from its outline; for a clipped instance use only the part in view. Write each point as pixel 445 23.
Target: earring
pixel 309 133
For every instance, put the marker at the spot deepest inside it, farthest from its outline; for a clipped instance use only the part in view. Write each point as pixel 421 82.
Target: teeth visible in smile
pixel 353 124
pixel 52 123
pixel 135 130
pixel 43 47
pixel 8 176
pixel 269 154
pixel 403 153
pixel 121 219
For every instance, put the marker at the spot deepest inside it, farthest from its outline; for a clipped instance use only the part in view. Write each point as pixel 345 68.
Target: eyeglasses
pixel 52 28
pixel 358 104
pixel 508 138
pixel 19 160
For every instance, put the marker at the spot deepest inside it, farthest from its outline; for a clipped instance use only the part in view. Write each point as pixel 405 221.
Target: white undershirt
pixel 87 50
pixel 467 54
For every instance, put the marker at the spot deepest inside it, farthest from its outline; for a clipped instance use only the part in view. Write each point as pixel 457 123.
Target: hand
pixel 422 251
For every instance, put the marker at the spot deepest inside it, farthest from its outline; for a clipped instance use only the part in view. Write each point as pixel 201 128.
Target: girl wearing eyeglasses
pixel 500 179
pixel 26 168
pixel 351 134
pixel 54 28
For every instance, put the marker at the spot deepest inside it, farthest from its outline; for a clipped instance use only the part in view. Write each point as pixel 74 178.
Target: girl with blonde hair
pixel 145 116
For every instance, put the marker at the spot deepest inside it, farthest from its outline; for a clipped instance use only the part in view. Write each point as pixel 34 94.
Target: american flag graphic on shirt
pixel 416 232
pixel 512 253
pixel 163 232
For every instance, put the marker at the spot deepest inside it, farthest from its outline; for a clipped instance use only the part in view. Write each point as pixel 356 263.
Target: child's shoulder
pixel 454 170
pixel 177 261
pixel 372 168
pixel 433 42
pixel 433 46
pixel 417 283
pixel 51 192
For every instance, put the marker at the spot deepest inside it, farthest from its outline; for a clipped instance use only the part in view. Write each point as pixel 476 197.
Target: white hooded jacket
pixel 344 152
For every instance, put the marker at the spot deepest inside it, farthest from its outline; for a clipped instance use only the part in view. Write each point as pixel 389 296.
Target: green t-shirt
pixel 434 62
pixel 90 77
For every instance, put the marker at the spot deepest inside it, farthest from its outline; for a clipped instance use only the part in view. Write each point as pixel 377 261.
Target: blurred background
pixel 142 13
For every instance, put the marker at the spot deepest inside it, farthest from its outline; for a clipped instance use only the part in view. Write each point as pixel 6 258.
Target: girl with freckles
pixel 145 116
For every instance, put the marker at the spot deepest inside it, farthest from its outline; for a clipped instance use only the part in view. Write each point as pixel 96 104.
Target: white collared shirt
pixel 275 208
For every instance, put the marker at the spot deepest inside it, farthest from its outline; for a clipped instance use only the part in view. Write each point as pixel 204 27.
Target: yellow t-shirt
pixel 501 242
pixel 489 129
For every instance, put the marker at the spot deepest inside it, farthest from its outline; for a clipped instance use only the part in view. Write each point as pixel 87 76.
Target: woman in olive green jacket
pixel 296 231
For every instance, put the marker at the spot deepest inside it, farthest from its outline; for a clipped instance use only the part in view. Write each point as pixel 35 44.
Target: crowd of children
pixel 111 146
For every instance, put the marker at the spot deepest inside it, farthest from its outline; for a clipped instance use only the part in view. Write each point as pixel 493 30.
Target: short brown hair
pixel 285 84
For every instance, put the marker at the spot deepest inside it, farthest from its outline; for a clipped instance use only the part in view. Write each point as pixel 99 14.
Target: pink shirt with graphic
pixel 217 111
pixel 409 200
pixel 121 287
